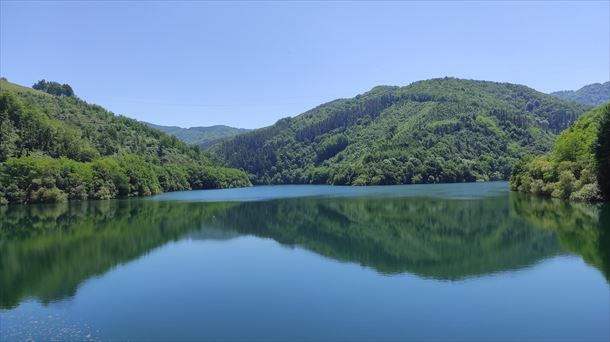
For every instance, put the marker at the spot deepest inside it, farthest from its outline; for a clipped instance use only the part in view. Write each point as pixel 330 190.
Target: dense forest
pixel 440 130
pixel 55 147
pixel 204 137
pixel 593 94
pixel 578 168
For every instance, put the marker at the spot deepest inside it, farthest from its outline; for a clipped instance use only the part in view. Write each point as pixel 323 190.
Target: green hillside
pixel 440 130
pixel 54 148
pixel 204 137
pixel 595 94
pixel 578 168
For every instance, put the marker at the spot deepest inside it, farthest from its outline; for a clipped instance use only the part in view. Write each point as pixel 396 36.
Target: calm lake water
pixel 423 262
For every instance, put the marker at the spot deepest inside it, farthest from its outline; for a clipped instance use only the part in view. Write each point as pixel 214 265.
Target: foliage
pixel 55 148
pixel 33 179
pixel 441 130
pixel 595 94
pixel 577 168
pixel 54 88
pixel 602 155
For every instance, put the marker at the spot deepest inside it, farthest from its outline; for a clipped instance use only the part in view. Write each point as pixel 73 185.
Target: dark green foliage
pixel 595 94
pixel 56 148
pixel 602 154
pixel 331 146
pixel 54 88
pixel 441 130
pixel 577 167
pixel 204 137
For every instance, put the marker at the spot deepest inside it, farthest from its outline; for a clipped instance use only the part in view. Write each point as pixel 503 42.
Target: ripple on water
pixel 26 326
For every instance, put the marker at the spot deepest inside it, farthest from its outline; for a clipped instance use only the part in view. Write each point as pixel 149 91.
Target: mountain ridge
pixel 438 130
pixel 203 136
pixel 595 94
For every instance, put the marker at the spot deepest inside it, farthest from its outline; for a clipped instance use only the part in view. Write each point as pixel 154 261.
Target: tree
pixel 54 88
pixel 67 90
pixel 602 153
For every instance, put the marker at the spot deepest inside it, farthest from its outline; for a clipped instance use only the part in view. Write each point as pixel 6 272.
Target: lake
pixel 414 262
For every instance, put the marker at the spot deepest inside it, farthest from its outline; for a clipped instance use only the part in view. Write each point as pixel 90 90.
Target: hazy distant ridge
pixel 202 136
pixel 593 94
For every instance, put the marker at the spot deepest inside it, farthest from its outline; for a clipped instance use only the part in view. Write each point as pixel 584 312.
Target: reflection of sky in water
pixel 249 287
pixel 269 192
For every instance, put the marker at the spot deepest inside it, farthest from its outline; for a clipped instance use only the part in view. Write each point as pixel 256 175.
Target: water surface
pixel 425 262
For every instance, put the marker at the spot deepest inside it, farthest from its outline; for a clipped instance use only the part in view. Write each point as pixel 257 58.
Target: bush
pixel 48 195
pixel 588 193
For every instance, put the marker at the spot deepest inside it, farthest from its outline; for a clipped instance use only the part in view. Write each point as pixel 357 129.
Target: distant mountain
pixel 595 94
pixel 202 136
pixel 439 130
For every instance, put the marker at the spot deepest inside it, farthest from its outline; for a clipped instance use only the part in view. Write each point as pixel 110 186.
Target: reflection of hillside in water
pixel 583 229
pixel 436 238
pixel 47 251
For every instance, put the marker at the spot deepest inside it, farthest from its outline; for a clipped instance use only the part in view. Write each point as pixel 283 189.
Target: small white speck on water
pixel 20 326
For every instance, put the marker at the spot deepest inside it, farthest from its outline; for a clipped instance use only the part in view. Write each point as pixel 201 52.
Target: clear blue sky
pixel 249 64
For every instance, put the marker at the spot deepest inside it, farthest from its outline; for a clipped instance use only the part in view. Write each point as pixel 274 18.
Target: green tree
pixel 602 153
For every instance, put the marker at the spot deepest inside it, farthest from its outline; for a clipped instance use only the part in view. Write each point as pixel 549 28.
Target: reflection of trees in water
pixel 48 250
pixel 443 239
pixel 583 229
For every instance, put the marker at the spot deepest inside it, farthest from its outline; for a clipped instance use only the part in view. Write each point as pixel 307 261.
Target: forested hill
pixel 439 130
pixel 204 137
pixel 593 94
pixel 58 147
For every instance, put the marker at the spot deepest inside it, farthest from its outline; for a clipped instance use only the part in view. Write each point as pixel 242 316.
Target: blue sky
pixel 248 64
